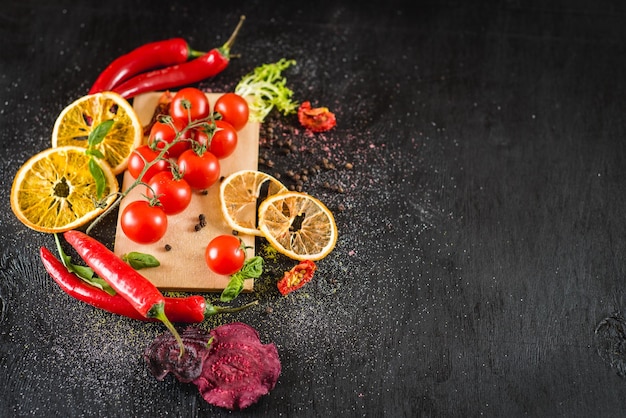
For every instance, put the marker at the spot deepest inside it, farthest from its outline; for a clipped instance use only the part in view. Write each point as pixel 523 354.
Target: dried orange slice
pixel 239 195
pixel 298 225
pixel 54 190
pixel 76 121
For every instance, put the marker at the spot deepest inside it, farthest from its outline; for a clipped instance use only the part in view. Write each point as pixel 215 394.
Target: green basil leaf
pixel 93 152
pixel 87 275
pixel 67 260
pixel 233 289
pixel 99 132
pixel 98 176
pixel 101 284
pixel 252 267
pixel 140 261
pixel 84 272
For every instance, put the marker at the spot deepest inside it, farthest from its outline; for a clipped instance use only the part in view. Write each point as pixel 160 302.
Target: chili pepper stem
pixel 158 312
pixel 229 43
pixel 213 310
pixel 193 53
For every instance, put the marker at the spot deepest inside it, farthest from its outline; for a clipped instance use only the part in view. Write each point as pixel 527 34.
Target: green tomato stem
pixel 147 165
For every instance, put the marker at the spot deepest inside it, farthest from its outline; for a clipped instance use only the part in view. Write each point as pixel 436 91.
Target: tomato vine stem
pixel 148 164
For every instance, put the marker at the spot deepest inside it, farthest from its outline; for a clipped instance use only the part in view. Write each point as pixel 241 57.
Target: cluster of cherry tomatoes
pixel 197 138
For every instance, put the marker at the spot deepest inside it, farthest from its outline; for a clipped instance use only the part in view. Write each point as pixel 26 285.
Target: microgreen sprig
pixel 266 88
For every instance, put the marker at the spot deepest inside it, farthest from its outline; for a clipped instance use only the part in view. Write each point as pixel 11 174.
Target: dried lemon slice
pixel 76 121
pixel 298 225
pixel 239 195
pixel 54 190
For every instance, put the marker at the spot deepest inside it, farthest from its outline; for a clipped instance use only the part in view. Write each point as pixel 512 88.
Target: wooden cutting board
pixel 183 267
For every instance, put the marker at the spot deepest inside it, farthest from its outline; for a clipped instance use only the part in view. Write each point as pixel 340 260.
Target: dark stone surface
pixel 481 225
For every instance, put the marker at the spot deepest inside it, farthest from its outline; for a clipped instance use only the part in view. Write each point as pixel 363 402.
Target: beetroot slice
pixel 232 372
pixel 162 356
pixel 239 368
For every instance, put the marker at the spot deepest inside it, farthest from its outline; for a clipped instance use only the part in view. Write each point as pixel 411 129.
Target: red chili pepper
pixel 190 309
pixel 198 69
pixel 297 277
pixel 126 281
pixel 144 58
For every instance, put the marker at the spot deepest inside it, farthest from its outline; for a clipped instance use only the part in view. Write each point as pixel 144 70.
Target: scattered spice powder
pixel 298 155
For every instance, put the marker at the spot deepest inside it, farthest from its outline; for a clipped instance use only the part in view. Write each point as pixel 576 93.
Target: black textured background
pixel 481 226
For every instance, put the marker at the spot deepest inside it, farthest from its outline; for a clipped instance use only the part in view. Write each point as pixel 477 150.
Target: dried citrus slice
pixel 54 190
pixel 298 225
pixel 76 121
pixel 239 194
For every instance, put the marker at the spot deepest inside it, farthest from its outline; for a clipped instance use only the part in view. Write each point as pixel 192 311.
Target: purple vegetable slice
pixel 230 366
pixel 162 356
pixel 239 368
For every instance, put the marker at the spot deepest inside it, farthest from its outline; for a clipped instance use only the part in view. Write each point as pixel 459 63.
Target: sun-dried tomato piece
pixel 297 277
pixel 317 119
pixel 162 108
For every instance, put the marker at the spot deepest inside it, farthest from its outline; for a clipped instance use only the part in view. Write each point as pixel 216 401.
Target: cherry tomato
pixel 234 109
pixel 223 140
pixel 173 193
pixel 189 102
pixel 200 171
pixel 225 255
pixel 136 162
pixel 163 133
pixel 143 223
